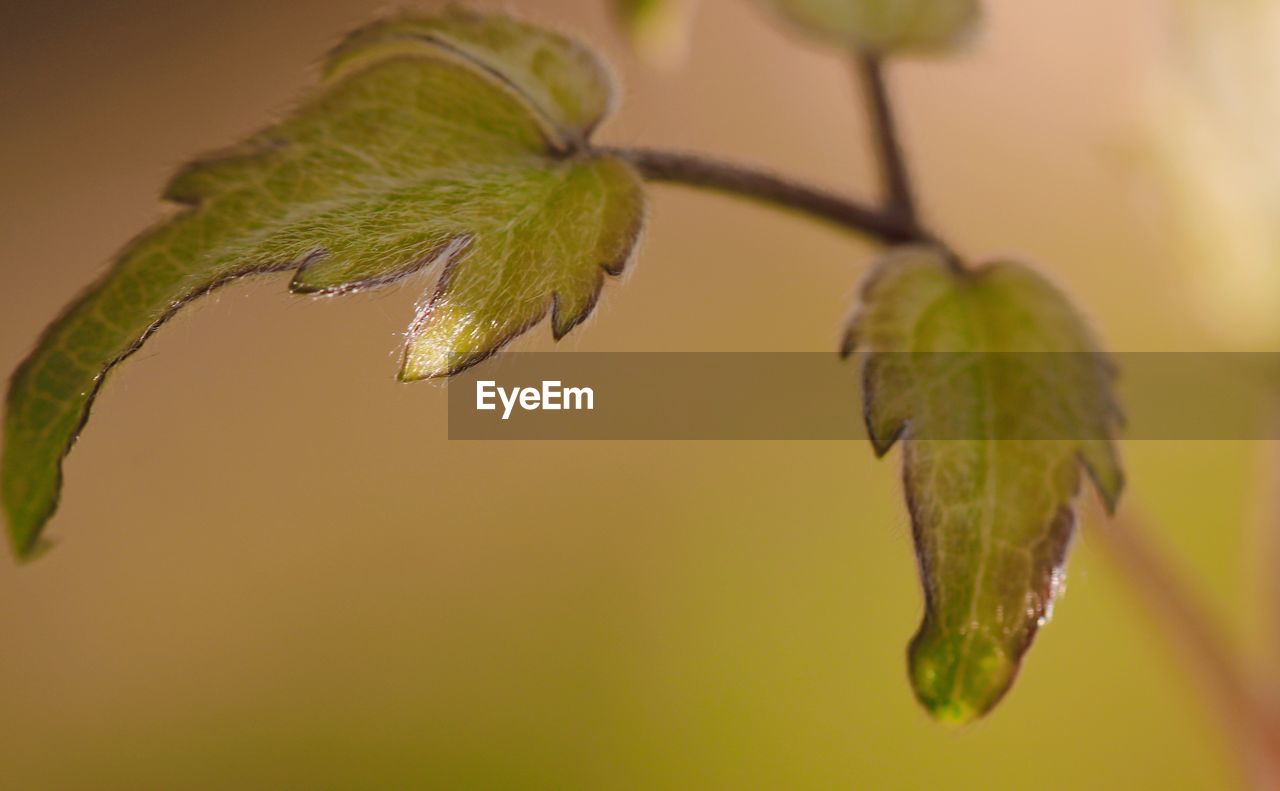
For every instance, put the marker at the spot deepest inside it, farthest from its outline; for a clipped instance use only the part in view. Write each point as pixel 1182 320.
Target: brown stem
pixel 1255 731
pixel 698 171
pixel 894 176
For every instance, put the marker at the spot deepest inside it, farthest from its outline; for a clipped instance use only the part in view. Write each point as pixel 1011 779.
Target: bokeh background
pixel 274 570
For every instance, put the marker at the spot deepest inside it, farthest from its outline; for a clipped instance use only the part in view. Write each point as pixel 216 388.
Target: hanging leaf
pixel 453 140
pixel 999 396
pixel 882 26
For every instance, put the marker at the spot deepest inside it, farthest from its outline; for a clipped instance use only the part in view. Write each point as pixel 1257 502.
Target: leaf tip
pixel 958 676
pixel 25 540
pixel 1102 464
pixel 425 358
pixel 883 437
pixel 567 313
pixel 32 550
pixel 29 494
pixel 417 366
pixel 849 341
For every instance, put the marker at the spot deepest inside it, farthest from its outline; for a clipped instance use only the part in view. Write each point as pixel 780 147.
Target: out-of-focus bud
pixel 657 29
pixel 882 26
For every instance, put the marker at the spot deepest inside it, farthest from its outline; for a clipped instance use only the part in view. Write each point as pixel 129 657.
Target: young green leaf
pixel 882 26
pixel 998 395
pixel 452 140
pixel 561 82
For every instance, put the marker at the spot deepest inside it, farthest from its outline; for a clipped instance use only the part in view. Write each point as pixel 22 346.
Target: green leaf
pixel 450 141
pixel 998 394
pixel 882 26
pixel 562 82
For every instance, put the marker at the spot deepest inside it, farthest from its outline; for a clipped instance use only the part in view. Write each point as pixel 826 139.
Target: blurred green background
pixel 274 570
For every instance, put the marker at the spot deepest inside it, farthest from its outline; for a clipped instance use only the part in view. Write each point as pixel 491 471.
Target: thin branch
pixel 894 176
pixel 698 171
pixel 1255 729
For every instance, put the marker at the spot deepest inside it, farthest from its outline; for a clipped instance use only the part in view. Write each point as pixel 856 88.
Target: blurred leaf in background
pixel 882 26
pixel 658 30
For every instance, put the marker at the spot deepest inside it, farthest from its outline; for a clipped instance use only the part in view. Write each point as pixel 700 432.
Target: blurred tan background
pixel 274 570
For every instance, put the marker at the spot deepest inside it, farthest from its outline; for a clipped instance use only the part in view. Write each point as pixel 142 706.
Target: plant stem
pixel 695 170
pixel 1254 728
pixel 895 179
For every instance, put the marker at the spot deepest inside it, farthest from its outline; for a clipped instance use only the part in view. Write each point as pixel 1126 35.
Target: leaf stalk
pixel 696 170
pixel 895 178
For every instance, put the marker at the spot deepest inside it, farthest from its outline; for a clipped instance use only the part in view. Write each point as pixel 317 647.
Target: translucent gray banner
pixel 813 396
